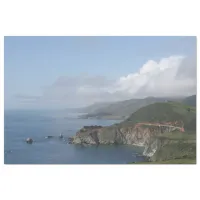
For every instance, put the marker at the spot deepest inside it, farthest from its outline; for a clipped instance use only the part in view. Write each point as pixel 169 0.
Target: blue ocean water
pixel 20 125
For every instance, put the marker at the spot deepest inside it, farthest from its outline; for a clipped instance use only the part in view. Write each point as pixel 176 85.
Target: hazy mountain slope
pixel 123 108
pixel 94 107
pixel 191 100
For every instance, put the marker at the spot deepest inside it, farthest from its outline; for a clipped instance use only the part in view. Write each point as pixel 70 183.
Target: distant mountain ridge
pixel 123 109
pixel 190 101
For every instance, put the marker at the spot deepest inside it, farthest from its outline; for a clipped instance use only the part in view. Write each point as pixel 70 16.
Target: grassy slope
pixel 186 136
pixel 191 101
pixel 174 161
pixel 160 112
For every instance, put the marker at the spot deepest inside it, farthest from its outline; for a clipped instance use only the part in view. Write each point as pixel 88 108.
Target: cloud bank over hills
pixel 171 76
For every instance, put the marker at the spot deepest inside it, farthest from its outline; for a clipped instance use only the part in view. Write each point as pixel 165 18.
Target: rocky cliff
pixel 163 149
pixel 133 135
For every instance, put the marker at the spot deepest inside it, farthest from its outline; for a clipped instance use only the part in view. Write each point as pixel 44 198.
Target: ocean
pixel 19 125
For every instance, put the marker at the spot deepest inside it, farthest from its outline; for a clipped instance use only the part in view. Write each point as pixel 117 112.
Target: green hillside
pixel 190 101
pixel 165 112
pixel 173 161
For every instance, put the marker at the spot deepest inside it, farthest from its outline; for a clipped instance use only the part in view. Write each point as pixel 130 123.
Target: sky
pixel 64 72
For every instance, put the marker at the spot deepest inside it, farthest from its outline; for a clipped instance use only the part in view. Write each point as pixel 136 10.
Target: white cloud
pixel 172 76
pixel 161 78
pixel 150 74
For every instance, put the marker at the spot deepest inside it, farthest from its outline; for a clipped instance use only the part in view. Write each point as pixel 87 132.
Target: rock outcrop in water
pixel 29 140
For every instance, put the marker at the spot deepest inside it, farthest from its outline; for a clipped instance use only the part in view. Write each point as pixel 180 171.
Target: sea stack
pixel 29 140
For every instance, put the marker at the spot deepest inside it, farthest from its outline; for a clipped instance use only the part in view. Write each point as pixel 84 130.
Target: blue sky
pixel 32 63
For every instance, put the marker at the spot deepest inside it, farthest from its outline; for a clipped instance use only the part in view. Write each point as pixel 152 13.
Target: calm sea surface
pixel 20 125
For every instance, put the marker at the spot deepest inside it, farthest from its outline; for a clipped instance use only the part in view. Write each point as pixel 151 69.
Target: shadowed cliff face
pixel 151 136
